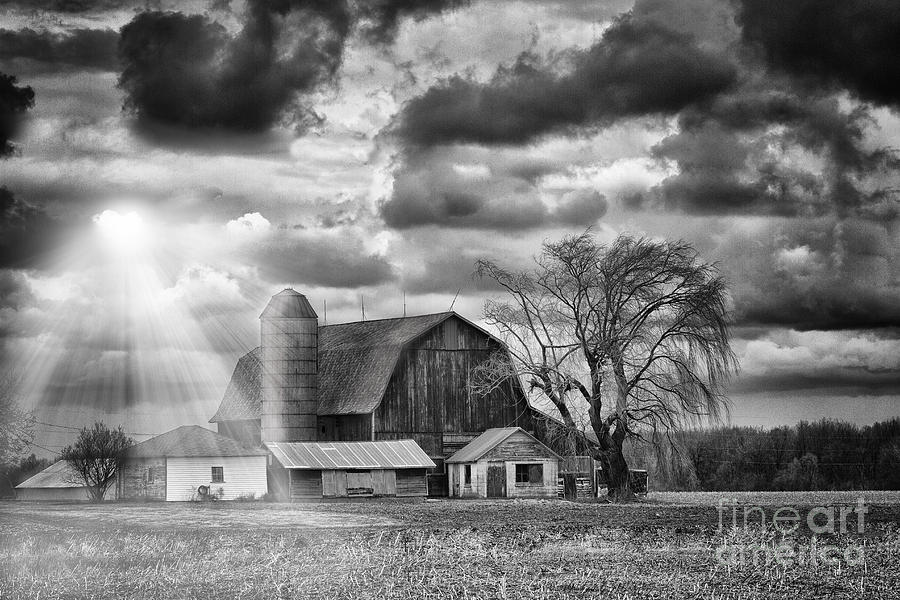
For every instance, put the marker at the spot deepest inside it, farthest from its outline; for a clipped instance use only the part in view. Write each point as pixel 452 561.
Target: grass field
pixel 665 547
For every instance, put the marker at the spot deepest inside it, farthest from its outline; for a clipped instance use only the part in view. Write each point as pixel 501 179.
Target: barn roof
pixel 57 475
pixel 394 454
pixel 487 441
pixel 191 440
pixel 356 361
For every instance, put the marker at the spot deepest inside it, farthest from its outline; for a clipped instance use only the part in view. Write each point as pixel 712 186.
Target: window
pixel 529 473
pixel 467 479
pixel 151 474
pixel 218 474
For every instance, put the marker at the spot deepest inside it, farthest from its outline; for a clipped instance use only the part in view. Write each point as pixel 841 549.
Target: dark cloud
pixel 380 19
pixel 817 274
pixel 333 258
pixel 74 6
pixel 87 48
pixel 189 71
pixel 456 187
pixel 853 44
pixel 638 68
pixel 26 232
pixel 14 101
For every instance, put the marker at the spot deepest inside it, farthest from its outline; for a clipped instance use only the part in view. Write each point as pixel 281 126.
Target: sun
pixel 123 232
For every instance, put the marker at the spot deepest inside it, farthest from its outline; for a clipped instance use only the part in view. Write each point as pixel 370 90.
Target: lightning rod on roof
pixel 404 303
pixel 362 306
pixel 454 299
pixel 325 310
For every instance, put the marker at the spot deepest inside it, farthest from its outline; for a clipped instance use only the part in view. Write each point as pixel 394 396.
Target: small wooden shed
pixel 315 470
pixel 506 462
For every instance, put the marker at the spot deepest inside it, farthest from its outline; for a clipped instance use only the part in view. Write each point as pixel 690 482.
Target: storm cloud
pixel 87 48
pixel 189 71
pixel 27 232
pixel 14 101
pixel 380 19
pixel 852 44
pixel 638 68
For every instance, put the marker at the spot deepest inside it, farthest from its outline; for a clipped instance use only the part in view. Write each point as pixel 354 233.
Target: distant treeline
pixel 826 455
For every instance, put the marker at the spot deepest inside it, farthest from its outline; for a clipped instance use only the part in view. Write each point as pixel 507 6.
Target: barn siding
pixel 428 394
pixel 246 432
pixel 305 485
pixel 411 482
pixel 135 481
pixel 243 475
pixel 345 428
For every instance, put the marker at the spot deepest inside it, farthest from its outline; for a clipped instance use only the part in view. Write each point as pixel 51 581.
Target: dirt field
pixel 669 546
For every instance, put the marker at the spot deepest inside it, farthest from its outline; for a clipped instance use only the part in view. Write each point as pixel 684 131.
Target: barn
pixel 189 462
pixel 505 462
pixel 55 483
pixel 368 381
pixel 316 470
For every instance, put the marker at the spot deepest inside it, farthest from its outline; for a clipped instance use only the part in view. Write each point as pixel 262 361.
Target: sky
pixel 184 161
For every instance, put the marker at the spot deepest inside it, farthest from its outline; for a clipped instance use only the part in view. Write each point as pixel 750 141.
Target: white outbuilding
pixel 191 462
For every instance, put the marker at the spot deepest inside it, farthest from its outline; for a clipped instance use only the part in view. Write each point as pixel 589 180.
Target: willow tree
pixel 633 336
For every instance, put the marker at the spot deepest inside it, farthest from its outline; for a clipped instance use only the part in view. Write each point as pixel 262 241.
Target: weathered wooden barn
pixel 390 379
pixel 57 482
pixel 504 462
pixel 315 470
pixel 190 462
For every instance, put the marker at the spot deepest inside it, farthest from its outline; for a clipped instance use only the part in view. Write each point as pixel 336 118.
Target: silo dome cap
pixel 289 304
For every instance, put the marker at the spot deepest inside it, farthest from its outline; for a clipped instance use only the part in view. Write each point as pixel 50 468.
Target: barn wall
pixel 136 480
pixel 428 396
pixel 478 486
pixel 243 475
pixel 345 428
pixel 411 482
pixel 247 432
pixel 305 485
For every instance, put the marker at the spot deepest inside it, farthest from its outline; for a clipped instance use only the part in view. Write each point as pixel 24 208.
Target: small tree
pixel 96 457
pixel 16 424
pixel 634 335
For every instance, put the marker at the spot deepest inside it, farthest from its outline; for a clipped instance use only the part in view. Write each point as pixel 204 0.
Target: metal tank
pixel 289 336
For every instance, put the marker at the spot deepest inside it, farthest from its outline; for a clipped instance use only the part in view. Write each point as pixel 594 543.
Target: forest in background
pixel 823 455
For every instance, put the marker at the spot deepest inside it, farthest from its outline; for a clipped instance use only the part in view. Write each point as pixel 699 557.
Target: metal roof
pixel 191 440
pixel 488 440
pixel 289 304
pixel 57 475
pixel 394 454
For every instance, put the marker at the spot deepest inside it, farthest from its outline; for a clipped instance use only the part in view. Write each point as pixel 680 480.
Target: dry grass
pixel 460 549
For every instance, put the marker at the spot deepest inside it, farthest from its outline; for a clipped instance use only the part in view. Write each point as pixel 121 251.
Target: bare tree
pixel 16 424
pixel 634 336
pixel 96 457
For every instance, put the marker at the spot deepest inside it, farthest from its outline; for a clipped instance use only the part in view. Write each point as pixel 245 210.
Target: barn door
pixel 496 480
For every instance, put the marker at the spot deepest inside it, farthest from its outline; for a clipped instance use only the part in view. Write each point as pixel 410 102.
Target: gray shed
pixel 506 462
pixel 314 470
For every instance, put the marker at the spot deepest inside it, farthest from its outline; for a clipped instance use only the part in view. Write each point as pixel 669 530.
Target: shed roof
pixel 488 440
pixel 394 454
pixel 289 304
pixel 57 475
pixel 188 441
pixel 356 361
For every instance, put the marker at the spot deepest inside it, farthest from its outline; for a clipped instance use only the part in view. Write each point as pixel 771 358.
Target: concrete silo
pixel 289 336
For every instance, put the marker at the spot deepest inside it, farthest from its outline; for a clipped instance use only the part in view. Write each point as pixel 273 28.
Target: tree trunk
pixel 615 468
